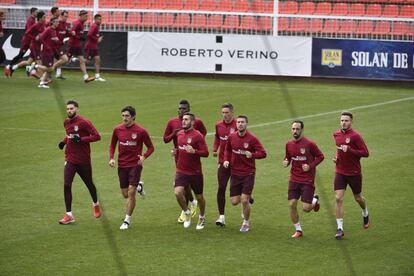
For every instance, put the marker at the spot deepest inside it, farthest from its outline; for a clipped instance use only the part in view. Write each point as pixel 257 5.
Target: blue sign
pixel 366 59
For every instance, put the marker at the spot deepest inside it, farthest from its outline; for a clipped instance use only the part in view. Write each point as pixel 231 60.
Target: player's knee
pixel 307 208
pixel 339 199
pixel 235 201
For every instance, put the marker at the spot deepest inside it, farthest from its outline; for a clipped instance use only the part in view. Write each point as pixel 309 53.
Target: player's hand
pixel 226 164
pixel 112 163
pixel 285 163
pixel 100 39
pixel 61 145
pixel 335 159
pixel 141 160
pixel 305 167
pixel 190 149
pixel 76 139
pixel 173 152
pixel 248 154
pixel 215 154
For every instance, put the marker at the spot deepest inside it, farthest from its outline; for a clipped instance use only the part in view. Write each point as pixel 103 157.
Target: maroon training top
pixel 223 130
pixel 92 38
pixel 46 39
pixel 189 163
pixel 175 123
pixel 76 40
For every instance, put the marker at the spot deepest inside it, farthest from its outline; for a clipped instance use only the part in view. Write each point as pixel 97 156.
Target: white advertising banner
pixel 221 54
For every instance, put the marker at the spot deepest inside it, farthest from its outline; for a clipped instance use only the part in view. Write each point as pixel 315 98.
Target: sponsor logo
pixel 128 143
pixel 347 140
pixel 241 152
pixel 134 136
pixel 73 135
pixel 331 57
pixel 189 140
pixel 11 51
pixel 76 128
pixel 302 150
pixel 246 145
pixel 299 158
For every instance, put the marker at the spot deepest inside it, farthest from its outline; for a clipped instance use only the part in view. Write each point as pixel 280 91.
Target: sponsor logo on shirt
pixel 302 150
pixel 241 152
pixel 347 140
pixel 73 135
pixel 134 136
pixel 299 158
pixel 246 145
pixel 128 143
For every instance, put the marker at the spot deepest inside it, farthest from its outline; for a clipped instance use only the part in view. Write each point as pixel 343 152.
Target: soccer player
pixel 224 128
pixel 130 138
pixel 242 149
pixel 303 155
pixel 350 148
pixel 91 46
pixel 48 39
pixel 191 145
pixel 2 54
pixel 173 126
pixel 75 43
pixel 25 45
pixel 62 31
pixel 79 134
pixel 54 11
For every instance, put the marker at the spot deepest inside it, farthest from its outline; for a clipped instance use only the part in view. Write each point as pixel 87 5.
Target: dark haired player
pixel 79 133
pixel 130 138
pixel 303 155
pixel 91 46
pixel 350 149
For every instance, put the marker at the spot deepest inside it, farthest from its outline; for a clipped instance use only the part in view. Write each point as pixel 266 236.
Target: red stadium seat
pixel 182 21
pixel 241 6
pixel 399 28
pixel 265 23
pixel 133 19
pixel 215 21
pixel 142 4
pixel 82 3
pixel 374 10
pixel 159 4
pixel 407 11
pixel 331 26
pixel 149 20
pixel 175 4
pixel 166 20
pixel 298 25
pixel 129 4
pixel 306 8
pixel 261 6
pixel 364 27
pixel 283 24
pixel 289 7
pixel 72 16
pixel 390 11
pixel 199 21
pixel 357 10
pixel 208 5
pixel 248 23
pixel 340 9
pixel 106 17
pixel 323 8
pixel 118 18
pixel 7 2
pixel 231 22
pixel 108 3
pixel 348 27
pixel 382 28
pixel 60 3
pixel 192 5
pixel 316 25
pixel 225 5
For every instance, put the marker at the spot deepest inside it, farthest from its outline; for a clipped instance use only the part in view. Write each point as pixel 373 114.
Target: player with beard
pixel 79 134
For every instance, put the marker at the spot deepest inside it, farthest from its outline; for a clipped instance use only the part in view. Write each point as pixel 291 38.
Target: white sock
pixel 365 212
pixel 202 216
pixel 340 223
pixel 15 67
pixel 58 71
pixel 246 222
pixel 298 227
pixel 127 218
pixel 314 200
pixel 85 76
pixel 96 204
pixel 194 202
pixel 97 75
pixel 221 217
pixel 36 66
pixel 69 213
pixel 187 212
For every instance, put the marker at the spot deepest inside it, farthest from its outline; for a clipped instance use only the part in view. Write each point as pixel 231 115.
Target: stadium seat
pixel 348 27
pixel 208 5
pixel 306 8
pixel 175 4
pixel 149 20
pixel 72 16
pixel 7 2
pixel 118 18
pixel 407 11
pixel 357 10
pixel 331 26
pixel 214 22
pixel 60 3
pixel 261 6
pixel 129 4
pixel 142 4
pixel 248 23
pixel 382 28
pixel 390 11
pixel 231 22
pixel 199 21
pixel 340 9
pixel 241 6
pixel 82 3
pixel 108 3
pixel 193 5
pixel 265 23
pixel 364 27
pixel 374 10
pixel 283 24
pixel 289 7
pixel 182 21
pixel 299 25
pixel 399 28
pixel 316 25
pixel 166 20
pixel 106 17
pixel 323 8
pixel 133 19
pixel 159 4
pixel 225 5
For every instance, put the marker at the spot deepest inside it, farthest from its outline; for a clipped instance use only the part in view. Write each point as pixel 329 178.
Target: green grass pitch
pixel 31 197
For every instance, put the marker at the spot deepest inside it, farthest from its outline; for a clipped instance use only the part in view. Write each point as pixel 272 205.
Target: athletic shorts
pixel 25 45
pixel 354 181
pixel 35 53
pixel 91 53
pixel 196 182
pixel 75 51
pixel 48 59
pixel 241 185
pixel 303 191
pixel 129 176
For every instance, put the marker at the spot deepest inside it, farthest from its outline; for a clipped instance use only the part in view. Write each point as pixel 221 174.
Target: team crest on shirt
pixel 347 140
pixel 134 135
pixel 232 130
pixel 246 145
pixel 302 150
pixel 76 128
pixel 189 140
